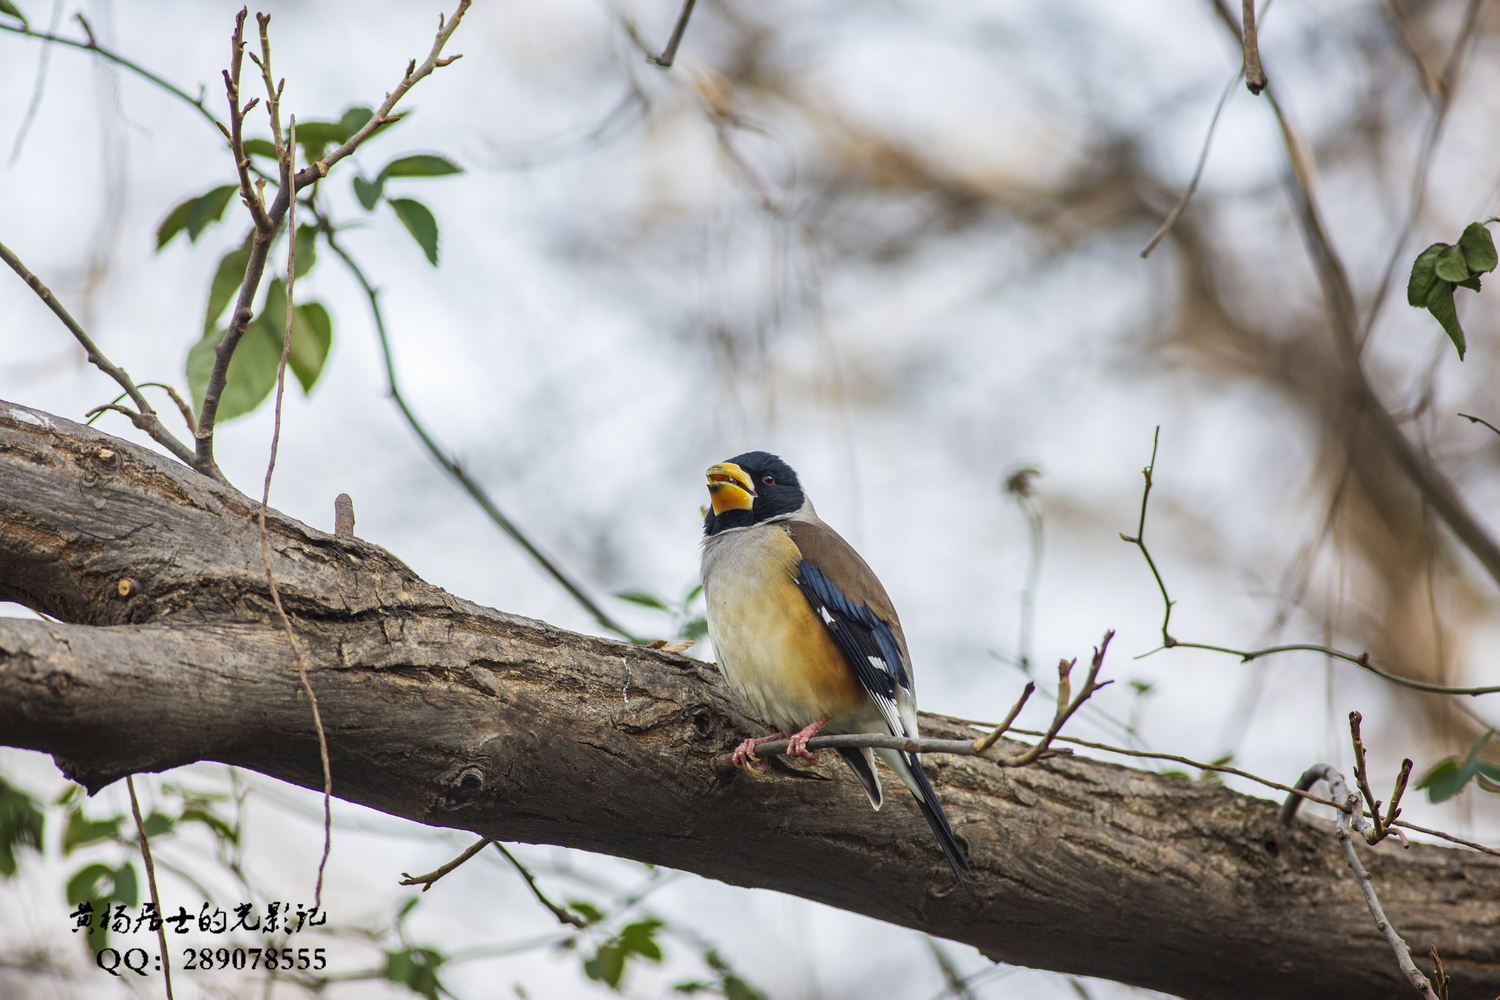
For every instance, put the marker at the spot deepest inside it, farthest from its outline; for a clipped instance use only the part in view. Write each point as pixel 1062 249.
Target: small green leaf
pixel 194 215
pixel 227 280
pixel 312 336
pixel 260 147
pixel 354 119
pixel 1422 276
pixel 419 222
pixel 88 883
pixel 78 830
pixel 252 370
pixel 607 966
pixel 694 628
pixel 736 988
pixel 307 249
pixel 21 825
pixel 416 969
pixel 315 137
pixel 421 165
pixel 1479 248
pixel 6 7
pixel 157 824
pixel 368 192
pixel 1444 780
pixel 193 814
pixel 644 599
pixel 588 911
pixel 1450 265
pixel 639 939
pixel 692 595
pixel 407 907
pixel 1470 282
pixel 127 887
pixel 1440 304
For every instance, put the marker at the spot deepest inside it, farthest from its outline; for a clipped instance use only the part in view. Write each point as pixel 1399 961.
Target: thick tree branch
pixel 456 715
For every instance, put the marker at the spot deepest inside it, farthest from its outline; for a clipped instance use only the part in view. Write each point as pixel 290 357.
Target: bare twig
pixel 288 164
pixel 985 742
pixel 669 54
pixel 1380 826
pixel 1255 77
pixel 1347 821
pixel 1480 420
pixel 1067 706
pixel 161 927
pixel 562 915
pixel 268 220
pixel 1168 641
pixel 450 465
pixel 426 881
pixel 1440 978
pixel 343 514
pixel 146 418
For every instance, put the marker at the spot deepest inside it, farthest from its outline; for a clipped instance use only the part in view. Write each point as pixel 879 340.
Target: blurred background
pixel 898 244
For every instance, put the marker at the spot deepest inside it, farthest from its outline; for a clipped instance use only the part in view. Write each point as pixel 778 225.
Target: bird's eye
pixel 769 480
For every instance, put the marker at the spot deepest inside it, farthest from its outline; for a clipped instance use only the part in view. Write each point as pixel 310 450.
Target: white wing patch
pixel 828 620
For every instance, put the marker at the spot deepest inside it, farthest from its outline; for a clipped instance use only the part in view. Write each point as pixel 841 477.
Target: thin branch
pixel 451 465
pixel 1255 77
pixel 669 54
pixel 1480 420
pixel 426 881
pixel 37 89
pixel 1339 295
pixel 287 159
pixel 985 742
pixel 1168 641
pixel 562 915
pixel 1380 828
pixel 146 418
pixel 1187 195
pixel 268 220
pixel 161 927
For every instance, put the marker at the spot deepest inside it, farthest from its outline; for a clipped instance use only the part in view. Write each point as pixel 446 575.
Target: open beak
pixel 729 487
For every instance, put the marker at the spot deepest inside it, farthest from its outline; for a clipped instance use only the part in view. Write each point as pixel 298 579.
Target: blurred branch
pixel 145 417
pixel 562 915
pixel 1255 77
pixel 1187 195
pixel 161 927
pixel 1361 660
pixel 451 465
pixel 1339 295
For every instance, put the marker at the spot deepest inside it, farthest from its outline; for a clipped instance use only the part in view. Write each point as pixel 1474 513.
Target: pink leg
pixel 798 747
pixel 744 755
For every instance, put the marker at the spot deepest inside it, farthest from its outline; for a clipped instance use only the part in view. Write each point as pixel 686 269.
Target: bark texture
pixel 457 715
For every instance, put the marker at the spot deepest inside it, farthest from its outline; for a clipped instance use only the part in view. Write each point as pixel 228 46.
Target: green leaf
pixel 194 215
pixel 307 249
pixel 78 830
pixel 1470 282
pixel 639 939
pixel 354 119
pixel 416 969
pixel 694 628
pixel 1444 780
pixel 406 908
pixel 419 222
pixel 314 137
pixel 1422 276
pixel 127 887
pixel 158 824
pixel 1490 771
pixel 21 825
pixel 88 883
pixel 252 370
pixel 736 988
pixel 227 280
pixel 193 814
pixel 260 147
pixel 6 7
pixel 644 599
pixel 312 336
pixel 422 165
pixel 1485 784
pixel 1479 248
pixel 368 192
pixel 692 595
pixel 607 966
pixel 1450 265
pixel 588 911
pixel 1440 304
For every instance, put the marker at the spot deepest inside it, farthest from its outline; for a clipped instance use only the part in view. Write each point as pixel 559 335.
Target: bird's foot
pixel 744 756
pixel 797 745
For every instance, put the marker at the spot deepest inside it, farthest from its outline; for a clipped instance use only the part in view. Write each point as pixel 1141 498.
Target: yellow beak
pixel 729 487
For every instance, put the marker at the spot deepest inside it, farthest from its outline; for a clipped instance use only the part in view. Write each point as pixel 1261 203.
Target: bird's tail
pixel 909 769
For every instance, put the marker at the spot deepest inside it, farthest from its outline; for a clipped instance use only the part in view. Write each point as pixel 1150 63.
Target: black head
pixel 750 488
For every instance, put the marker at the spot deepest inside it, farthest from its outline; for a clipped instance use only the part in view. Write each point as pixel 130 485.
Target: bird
pixel 804 631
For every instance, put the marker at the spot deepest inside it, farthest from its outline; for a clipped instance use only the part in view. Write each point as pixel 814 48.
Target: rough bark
pixel 457 715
